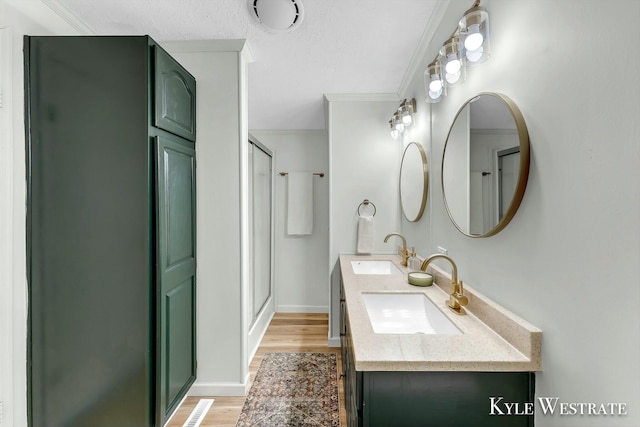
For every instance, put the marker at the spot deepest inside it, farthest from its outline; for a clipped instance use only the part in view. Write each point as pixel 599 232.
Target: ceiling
pixel 341 46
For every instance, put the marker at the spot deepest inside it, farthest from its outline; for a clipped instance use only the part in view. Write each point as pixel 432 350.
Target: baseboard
pixel 257 331
pixel 334 342
pixel 219 389
pixel 302 309
pixel 174 410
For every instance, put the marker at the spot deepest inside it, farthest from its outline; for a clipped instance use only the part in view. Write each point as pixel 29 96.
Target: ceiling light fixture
pixel 277 15
pixel 402 118
pixel 468 45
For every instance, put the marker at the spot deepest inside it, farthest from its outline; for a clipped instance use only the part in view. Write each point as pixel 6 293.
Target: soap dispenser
pixel 413 263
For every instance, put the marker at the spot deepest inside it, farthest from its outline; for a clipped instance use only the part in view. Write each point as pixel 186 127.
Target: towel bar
pixel 366 202
pixel 320 174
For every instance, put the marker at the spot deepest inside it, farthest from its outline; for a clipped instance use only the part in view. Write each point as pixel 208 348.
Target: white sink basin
pixel 406 313
pixel 374 267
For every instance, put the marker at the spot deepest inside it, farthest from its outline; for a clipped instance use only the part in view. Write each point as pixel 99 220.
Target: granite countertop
pixel 492 339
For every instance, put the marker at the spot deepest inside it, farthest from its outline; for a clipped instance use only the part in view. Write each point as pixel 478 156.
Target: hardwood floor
pixel 287 332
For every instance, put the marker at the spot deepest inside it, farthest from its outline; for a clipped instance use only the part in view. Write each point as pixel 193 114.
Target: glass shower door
pixel 261 228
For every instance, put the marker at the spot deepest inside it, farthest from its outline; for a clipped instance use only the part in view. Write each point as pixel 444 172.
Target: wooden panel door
pixel 176 287
pixel 175 97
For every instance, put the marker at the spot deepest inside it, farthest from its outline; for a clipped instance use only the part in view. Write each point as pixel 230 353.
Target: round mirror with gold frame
pixel 414 180
pixel 485 165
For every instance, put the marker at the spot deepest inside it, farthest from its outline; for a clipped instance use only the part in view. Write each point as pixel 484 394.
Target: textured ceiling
pixel 342 46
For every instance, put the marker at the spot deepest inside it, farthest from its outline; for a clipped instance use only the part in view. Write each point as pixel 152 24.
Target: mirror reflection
pixel 485 165
pixel 414 177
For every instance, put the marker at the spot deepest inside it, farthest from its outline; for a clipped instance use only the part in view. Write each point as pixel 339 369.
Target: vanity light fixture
pixel 394 132
pixel 474 28
pixel 407 110
pixel 402 118
pixel 468 45
pixel 398 123
pixel 451 60
pixel 433 82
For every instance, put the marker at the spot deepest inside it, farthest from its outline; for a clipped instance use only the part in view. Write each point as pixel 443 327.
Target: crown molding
pixel 69 17
pixel 193 46
pixel 317 132
pixel 362 97
pixel 418 59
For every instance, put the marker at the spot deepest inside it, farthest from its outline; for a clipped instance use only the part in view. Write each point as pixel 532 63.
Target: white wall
pixel 221 155
pixel 568 262
pixel 364 164
pixel 301 273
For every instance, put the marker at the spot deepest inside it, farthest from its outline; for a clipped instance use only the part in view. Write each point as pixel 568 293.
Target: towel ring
pixel 366 202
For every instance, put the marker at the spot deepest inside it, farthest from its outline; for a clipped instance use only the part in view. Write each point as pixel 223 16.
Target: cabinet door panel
pixel 177 267
pixel 175 97
pixel 443 399
pixel 179 339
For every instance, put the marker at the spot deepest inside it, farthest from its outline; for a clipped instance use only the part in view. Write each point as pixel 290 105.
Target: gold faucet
pixel 457 298
pixel 404 253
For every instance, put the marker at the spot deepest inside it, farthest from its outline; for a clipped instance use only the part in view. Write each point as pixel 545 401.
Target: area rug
pixel 293 390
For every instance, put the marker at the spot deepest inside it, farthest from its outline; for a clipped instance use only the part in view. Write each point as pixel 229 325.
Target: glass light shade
pixel 451 59
pixel 453 64
pixel 394 132
pixel 407 119
pixel 453 79
pixel 406 112
pixel 396 123
pixel 474 38
pixel 433 84
pixel 435 96
pixel 474 29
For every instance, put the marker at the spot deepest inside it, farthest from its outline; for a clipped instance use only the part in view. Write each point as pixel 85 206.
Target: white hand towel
pixel 364 244
pixel 300 203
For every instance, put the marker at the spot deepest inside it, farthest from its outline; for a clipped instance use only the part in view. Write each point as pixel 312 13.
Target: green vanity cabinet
pixel 352 379
pixel 110 233
pixel 429 398
pixel 445 399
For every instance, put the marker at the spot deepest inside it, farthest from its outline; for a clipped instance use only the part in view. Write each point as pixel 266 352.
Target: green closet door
pixel 175 97
pixel 176 238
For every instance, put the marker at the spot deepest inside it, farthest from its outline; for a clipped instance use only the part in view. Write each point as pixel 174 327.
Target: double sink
pixel 401 312
pixel 395 326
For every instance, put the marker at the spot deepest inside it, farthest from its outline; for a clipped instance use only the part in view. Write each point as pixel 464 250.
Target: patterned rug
pixel 293 390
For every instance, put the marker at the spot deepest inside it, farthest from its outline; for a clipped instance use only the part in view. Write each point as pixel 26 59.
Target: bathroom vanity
pixel 434 377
